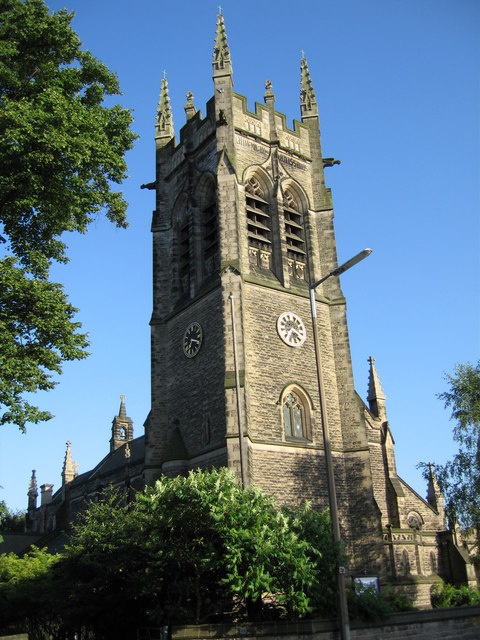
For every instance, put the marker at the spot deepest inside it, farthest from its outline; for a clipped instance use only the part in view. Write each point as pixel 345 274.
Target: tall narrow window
pixel 405 563
pixel 295 237
pixel 210 233
pixel 295 416
pixel 259 225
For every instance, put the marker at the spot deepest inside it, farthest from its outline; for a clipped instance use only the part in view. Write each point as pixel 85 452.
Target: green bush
pixel 370 604
pixel 447 595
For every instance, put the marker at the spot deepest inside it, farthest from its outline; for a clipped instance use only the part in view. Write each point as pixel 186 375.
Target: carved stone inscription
pixel 243 141
pixel 288 161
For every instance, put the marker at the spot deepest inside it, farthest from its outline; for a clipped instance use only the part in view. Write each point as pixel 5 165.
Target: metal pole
pixel 332 494
pixel 237 388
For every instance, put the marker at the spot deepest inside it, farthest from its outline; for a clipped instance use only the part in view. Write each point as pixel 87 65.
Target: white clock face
pixel 291 329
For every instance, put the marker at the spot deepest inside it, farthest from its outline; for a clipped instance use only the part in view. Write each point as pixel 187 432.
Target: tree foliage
pixel 37 334
pixel 190 549
pixel 25 589
pixel 61 150
pixel 11 521
pixel 459 478
pixel 448 595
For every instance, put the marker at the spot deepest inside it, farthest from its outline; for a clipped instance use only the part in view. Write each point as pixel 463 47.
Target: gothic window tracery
pixel 296 417
pixel 295 236
pixel 259 229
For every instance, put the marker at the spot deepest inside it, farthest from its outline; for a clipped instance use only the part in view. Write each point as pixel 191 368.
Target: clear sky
pixel 397 85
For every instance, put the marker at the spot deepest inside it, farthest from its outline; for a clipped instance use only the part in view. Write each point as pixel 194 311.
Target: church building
pixel 243 223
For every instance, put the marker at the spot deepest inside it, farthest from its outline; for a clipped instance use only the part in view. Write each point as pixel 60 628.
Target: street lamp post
pixel 332 495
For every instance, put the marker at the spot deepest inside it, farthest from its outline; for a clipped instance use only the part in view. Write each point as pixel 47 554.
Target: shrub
pixel 370 604
pixel 447 595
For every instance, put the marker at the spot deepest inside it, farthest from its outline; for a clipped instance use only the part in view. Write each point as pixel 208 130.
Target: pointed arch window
pixel 295 236
pixel 259 229
pixel 210 232
pixel 296 415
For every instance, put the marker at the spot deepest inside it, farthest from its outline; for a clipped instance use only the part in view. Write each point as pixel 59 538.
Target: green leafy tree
pixel 218 548
pixel 25 591
pixel 190 549
pixel 61 150
pixel 11 521
pixel 459 478
pixel 98 583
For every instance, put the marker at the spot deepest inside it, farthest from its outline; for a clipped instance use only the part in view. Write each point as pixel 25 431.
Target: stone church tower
pixel 243 214
pixel 243 222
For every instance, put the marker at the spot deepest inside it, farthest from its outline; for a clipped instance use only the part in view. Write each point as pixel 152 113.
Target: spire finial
pixel 122 412
pixel 222 64
pixel 434 493
pixel 69 471
pixel 308 101
pixel 32 492
pixel 32 487
pixel 268 91
pixel 164 121
pixel 190 109
pixel 376 395
pixel 219 10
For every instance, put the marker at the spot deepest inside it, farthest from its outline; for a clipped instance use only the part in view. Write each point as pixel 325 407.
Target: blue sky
pixel 398 89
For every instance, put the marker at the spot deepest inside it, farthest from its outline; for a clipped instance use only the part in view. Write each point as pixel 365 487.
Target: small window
pixel 405 563
pixel 123 433
pixel 295 416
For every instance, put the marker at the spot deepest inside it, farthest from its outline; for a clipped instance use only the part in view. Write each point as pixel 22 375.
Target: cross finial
pixel 219 9
pixel 303 53
pixel 164 73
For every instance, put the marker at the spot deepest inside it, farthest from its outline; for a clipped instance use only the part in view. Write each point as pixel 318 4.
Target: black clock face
pixel 192 340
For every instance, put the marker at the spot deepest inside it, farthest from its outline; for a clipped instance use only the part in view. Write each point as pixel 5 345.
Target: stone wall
pixel 441 624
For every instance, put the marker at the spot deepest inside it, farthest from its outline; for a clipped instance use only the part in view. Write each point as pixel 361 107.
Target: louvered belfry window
pixel 295 237
pixel 259 225
pixel 210 233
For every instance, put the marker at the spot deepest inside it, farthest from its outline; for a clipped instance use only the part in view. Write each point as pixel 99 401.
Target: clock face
pixel 192 339
pixel 291 329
